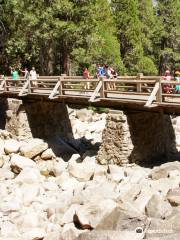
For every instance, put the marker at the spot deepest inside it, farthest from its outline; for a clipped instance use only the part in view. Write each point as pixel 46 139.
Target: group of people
pixel 32 75
pixel 168 77
pixel 105 71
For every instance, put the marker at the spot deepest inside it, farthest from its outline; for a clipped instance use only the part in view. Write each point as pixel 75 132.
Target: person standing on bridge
pixel 100 71
pixel 167 87
pixel 14 73
pixel 177 78
pixel 15 76
pixel 109 75
pixel 33 76
pixel 26 73
pixel 86 75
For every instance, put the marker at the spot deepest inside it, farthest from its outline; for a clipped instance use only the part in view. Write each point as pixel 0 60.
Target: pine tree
pixel 129 32
pixel 148 21
pixel 168 13
pixel 134 20
pixel 104 47
pixel 39 31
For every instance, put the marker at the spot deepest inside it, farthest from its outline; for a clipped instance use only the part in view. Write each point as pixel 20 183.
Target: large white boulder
pixel 11 146
pixel 157 207
pixel 74 158
pixel 91 214
pixel 29 192
pixel 173 197
pixel 48 154
pixel 164 170
pixel 84 115
pixel 9 230
pixel 1 161
pixel 34 234
pixel 163 185
pixel 82 171
pixel 6 174
pixel 113 235
pixel 45 167
pixel 1 147
pixel 29 175
pixel 21 162
pixel 33 148
pixel 116 173
pixel 59 166
pixel 67 184
pixel 56 235
pixel 69 214
pixel 97 127
pixel 70 232
pixel 13 204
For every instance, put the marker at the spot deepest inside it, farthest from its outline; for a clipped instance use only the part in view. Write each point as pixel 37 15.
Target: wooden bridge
pixel 124 92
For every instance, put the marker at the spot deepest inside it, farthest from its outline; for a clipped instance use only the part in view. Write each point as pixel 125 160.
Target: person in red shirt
pixel 86 75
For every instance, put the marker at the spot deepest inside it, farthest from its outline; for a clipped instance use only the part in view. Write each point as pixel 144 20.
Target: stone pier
pixel 137 137
pixel 39 119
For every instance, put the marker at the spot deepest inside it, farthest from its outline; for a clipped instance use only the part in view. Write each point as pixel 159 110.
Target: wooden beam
pixel 153 95
pixel 2 85
pixel 25 87
pixel 96 91
pixel 54 91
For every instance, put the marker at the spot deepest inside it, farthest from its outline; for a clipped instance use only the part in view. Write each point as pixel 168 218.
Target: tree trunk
pixel 66 63
pixel 50 59
pixel 47 58
pixel 41 59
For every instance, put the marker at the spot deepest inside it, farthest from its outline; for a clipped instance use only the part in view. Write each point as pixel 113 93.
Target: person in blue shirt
pixel 100 71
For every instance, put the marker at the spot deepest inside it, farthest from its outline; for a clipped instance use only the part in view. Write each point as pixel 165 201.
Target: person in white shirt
pixel 33 76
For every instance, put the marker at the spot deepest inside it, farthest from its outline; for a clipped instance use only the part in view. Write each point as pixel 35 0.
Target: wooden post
pixel 29 85
pixel 139 76
pixel 102 87
pixel 5 85
pixel 60 86
pixel 159 95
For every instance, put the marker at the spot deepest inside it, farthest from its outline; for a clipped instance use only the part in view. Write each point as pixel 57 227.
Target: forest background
pixel 64 36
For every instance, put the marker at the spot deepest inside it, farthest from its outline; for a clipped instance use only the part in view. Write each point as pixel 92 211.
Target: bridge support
pixel 38 119
pixel 141 137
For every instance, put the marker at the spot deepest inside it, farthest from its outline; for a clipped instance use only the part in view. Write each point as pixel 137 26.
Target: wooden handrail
pixel 153 95
pixel 146 88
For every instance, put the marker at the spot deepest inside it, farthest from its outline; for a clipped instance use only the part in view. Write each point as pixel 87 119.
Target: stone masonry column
pixel 142 137
pixel 117 145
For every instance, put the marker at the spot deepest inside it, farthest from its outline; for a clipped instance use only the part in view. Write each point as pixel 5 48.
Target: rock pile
pixel 44 197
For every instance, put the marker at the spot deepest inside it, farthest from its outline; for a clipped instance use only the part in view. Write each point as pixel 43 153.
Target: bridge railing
pixel 75 86
pixel 171 97
pixel 136 87
pixel 147 90
pixel 2 83
pixel 12 86
pixel 43 85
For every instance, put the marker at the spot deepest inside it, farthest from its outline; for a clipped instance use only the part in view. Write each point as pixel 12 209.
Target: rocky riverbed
pixel 44 197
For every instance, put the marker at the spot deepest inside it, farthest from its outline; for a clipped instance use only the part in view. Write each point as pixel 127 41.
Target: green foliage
pixel 66 35
pixel 135 21
pixel 56 35
pixel 99 109
pixel 103 43
pixel 168 14
pixel 147 66
pixel 129 34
